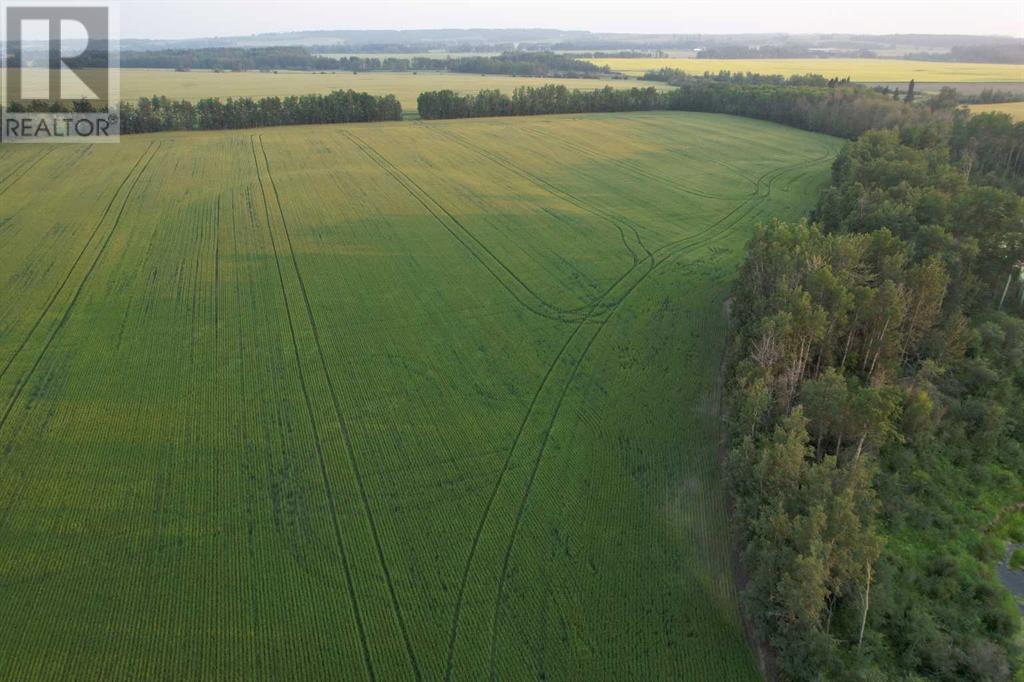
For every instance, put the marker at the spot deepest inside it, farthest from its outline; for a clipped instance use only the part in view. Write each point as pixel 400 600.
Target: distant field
pixel 1015 109
pixel 406 86
pixel 403 400
pixel 406 55
pixel 876 70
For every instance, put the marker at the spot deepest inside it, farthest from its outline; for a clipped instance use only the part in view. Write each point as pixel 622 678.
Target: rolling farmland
pixel 861 70
pixel 405 85
pixel 400 400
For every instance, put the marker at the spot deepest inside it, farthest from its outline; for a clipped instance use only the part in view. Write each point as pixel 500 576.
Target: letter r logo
pixel 49 46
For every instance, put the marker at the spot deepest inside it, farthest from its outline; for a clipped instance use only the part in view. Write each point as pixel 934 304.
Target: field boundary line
pixel 342 425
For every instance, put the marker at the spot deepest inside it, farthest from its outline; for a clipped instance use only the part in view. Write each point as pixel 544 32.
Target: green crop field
pixel 393 400
pixel 405 85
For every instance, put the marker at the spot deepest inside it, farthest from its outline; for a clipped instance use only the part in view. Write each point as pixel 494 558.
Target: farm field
pixel 861 70
pixel 406 86
pixel 1014 109
pixel 401 400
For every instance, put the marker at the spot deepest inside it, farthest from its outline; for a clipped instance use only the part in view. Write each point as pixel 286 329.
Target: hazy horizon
pixel 179 19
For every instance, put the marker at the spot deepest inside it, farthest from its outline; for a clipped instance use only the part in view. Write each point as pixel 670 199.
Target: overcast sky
pixel 202 18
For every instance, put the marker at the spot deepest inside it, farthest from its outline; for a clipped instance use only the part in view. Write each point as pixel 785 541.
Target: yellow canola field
pixel 866 70
pixel 1015 109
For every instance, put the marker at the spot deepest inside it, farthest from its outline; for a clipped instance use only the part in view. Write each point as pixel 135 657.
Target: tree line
pixel 950 96
pixel 528 64
pixel 527 101
pixel 877 373
pixel 989 144
pixel 291 58
pixel 778 52
pixel 295 58
pixel 623 54
pixel 840 111
pixel 677 76
pixel 156 114
pixel 413 47
pixel 1004 53
pixel 990 96
pixel 341 106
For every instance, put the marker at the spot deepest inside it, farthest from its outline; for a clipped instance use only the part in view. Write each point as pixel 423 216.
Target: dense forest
pixel 156 114
pixel 877 376
pixel 989 148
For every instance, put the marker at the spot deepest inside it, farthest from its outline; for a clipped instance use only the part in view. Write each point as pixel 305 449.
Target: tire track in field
pixel 549 188
pixel 671 250
pixel 521 511
pixel 636 169
pixel 19 166
pixel 507 464
pixel 678 242
pixel 689 242
pixel 553 189
pixel 74 264
pixel 508 165
pixel 610 216
pixel 23 173
pixel 453 635
pixel 460 598
pixel 633 168
pixel 74 299
pixel 216 278
pixel 693 127
pixel 424 199
pixel 328 490
pixel 530 411
pixel 697 129
pixel 342 425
